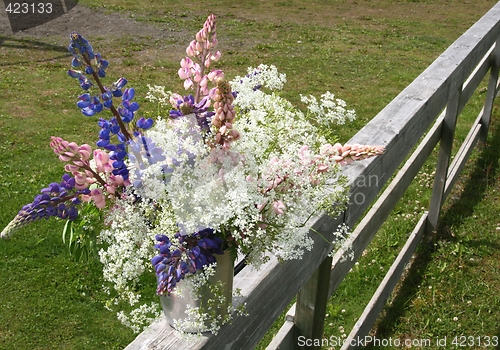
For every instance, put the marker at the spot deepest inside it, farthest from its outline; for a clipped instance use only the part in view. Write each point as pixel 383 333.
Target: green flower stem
pixel 113 110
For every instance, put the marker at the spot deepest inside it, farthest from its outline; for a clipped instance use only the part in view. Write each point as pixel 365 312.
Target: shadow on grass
pixel 483 175
pixel 31 44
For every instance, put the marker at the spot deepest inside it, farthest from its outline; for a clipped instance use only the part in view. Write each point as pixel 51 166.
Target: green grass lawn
pixel 365 52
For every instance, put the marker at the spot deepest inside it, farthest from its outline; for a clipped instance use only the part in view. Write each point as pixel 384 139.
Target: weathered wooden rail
pixel 429 106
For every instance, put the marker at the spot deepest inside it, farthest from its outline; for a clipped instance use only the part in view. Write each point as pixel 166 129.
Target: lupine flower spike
pixel 57 200
pixel 169 264
pixel 349 153
pixel 224 115
pixel 200 55
pixel 94 65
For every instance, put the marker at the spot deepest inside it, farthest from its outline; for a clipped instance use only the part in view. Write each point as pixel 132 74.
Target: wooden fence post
pixel 311 304
pixel 491 94
pixel 444 156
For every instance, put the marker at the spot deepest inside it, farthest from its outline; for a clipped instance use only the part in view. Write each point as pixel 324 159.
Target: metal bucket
pixel 175 307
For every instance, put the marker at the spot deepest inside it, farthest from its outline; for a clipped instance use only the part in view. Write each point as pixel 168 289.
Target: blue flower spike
pixel 92 68
pixel 193 253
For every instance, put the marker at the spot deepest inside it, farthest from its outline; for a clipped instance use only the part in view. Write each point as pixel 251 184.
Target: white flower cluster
pixel 250 88
pixel 261 193
pixel 138 318
pixel 329 111
pixel 158 95
pixel 274 132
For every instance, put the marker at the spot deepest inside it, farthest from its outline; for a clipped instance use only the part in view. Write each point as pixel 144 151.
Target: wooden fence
pixel 429 106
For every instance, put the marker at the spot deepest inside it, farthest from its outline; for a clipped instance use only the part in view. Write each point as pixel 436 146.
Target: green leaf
pixel 65 230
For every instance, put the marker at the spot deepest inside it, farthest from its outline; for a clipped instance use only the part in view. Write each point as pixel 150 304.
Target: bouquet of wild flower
pixel 232 168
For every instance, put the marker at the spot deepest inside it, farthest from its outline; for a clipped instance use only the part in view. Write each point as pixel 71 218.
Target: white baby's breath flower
pixel 262 193
pixel 158 94
pixel 329 111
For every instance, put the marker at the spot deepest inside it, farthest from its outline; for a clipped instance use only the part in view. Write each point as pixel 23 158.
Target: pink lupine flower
pixel 71 146
pixel 101 157
pixel 349 153
pixel 199 57
pixel 111 189
pixel 215 74
pixel 188 83
pixel 321 168
pixel 117 180
pixel 186 65
pixel 85 155
pixel 71 168
pixel 98 197
pixel 224 116
pixel 184 73
pixel 80 180
pixel 261 206
pixel 66 157
pixel 189 51
pixel 203 82
pixel 279 207
pixel 214 57
pixel 85 151
pixel 102 162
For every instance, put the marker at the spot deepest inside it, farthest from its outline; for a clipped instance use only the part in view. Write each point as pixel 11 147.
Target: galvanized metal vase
pixel 175 307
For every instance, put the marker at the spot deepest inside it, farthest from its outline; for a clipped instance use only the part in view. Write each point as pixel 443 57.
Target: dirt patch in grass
pixel 86 21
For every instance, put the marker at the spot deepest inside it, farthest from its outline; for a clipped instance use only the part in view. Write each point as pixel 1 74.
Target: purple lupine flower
pixel 108 128
pixel 76 62
pixel 186 105
pixel 102 64
pixel 56 200
pixel 95 106
pixel 84 101
pixel 80 47
pixel 118 155
pixel 85 84
pixel 74 73
pixel 144 123
pixel 117 87
pixel 193 253
pixel 95 67
pixel 107 98
pixel 128 107
pixel 144 148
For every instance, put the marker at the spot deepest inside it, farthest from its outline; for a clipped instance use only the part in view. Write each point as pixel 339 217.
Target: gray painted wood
pixel 492 92
pixel 285 339
pixel 378 213
pixel 445 149
pixel 311 303
pixel 461 158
